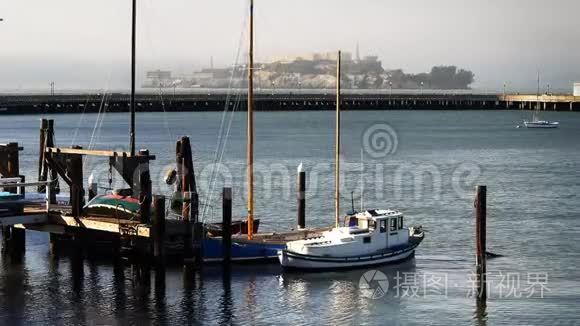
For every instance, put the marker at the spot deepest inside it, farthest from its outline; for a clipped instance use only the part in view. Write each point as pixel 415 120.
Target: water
pixel 433 160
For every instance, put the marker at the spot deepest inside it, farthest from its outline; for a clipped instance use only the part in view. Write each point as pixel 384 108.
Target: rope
pixel 222 139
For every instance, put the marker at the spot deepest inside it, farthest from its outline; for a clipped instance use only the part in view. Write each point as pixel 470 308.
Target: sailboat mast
pixel 132 105
pixel 250 141
pixel 337 146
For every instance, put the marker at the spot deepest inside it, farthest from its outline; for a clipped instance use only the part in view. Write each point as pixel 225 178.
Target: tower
pixel 357 53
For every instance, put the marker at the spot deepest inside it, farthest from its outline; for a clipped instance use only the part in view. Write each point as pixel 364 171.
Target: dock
pixel 137 234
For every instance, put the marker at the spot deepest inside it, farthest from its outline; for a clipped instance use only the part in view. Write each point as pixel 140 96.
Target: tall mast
pixel 250 141
pixel 337 146
pixel 132 105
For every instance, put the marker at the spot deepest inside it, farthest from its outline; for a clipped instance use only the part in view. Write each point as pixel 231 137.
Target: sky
pixel 82 44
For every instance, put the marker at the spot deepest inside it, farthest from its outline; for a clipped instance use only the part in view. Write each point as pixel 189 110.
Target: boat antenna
pixel 132 105
pixel 250 141
pixel 337 146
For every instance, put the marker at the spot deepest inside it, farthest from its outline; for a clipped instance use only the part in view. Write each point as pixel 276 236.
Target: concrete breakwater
pixel 280 101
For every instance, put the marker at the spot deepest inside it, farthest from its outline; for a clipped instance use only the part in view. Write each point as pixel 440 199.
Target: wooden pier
pixel 149 236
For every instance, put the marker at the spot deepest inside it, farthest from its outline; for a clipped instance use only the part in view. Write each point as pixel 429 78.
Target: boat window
pixel 393 224
pixel 400 222
pixel 372 225
pixel 383 226
pixel 367 240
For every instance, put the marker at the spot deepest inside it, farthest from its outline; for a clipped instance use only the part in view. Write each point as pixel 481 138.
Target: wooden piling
pixel 226 222
pixel 480 246
pixel 74 166
pixel 13 239
pixel 41 152
pixel 158 229
pixel 301 218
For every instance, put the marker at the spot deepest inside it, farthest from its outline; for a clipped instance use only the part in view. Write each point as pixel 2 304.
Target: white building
pixel 576 89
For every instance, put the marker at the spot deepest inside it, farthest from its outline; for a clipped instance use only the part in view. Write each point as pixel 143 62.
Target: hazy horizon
pixel 86 45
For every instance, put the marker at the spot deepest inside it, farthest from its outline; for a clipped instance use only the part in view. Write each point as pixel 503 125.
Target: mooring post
pixel 480 237
pixel 158 229
pixel 42 153
pixel 187 237
pixel 75 173
pixel 226 224
pixel 301 197
pixel 15 238
pixel 197 244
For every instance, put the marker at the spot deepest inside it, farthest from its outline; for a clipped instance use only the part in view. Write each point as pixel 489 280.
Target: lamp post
pixel 421 88
pixel 504 89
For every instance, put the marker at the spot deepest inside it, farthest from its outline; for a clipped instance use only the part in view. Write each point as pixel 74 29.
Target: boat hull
pixel 241 250
pixel 292 260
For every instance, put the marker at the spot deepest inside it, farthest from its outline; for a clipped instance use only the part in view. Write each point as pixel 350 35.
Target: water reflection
pixel 226 302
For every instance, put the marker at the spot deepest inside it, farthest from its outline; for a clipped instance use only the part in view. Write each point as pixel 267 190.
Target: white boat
pixel 368 238
pixel 541 124
pixel 372 237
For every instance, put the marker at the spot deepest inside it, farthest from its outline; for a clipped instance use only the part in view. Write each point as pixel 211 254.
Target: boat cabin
pixel 388 224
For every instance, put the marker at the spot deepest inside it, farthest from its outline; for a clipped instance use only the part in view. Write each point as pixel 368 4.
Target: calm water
pixel 432 161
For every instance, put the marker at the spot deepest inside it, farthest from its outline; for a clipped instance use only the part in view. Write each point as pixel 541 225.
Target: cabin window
pixel 400 222
pixel 393 224
pixel 383 226
pixel 367 240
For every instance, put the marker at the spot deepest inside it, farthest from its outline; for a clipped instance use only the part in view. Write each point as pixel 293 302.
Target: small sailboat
pixel 367 238
pixel 536 122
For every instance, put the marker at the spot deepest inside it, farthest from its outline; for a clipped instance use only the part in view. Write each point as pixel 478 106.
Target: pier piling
pixel 480 247
pixel 158 229
pixel 13 239
pixel 301 198
pixel 226 222
pixel 74 166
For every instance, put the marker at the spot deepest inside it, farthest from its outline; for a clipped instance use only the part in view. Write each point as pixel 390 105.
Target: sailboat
pixel 253 246
pixel 367 238
pixel 536 122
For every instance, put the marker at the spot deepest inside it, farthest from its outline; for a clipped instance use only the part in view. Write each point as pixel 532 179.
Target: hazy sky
pixel 85 44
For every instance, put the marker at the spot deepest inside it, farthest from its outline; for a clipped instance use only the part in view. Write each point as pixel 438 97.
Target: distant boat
pixel 541 124
pixel 536 122
pixel 368 238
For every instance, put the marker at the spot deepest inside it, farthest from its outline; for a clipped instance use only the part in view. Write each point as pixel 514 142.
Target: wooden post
pixel 41 154
pixel 13 239
pixel 187 237
pixel 145 196
pixel 480 236
pixel 301 198
pixel 226 222
pixel 158 229
pixel 12 164
pixel 144 186
pixel 74 163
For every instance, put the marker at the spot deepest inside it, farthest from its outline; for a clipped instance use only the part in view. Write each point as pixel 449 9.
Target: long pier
pixel 280 101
